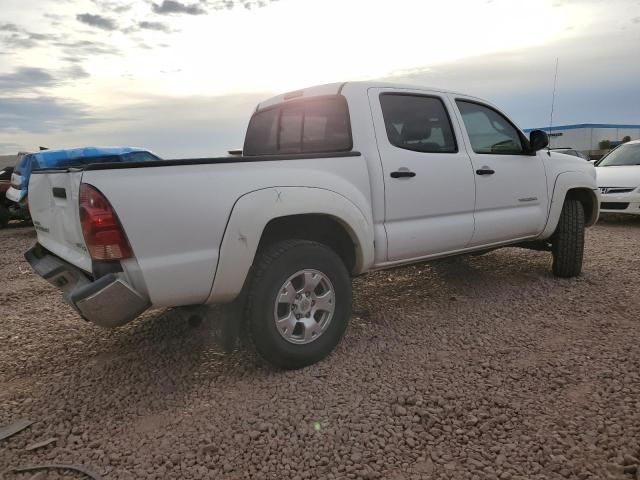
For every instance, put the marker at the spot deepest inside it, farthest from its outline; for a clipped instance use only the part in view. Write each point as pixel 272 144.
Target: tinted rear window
pixel 316 125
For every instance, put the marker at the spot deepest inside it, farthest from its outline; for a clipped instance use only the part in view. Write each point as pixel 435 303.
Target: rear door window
pixel 315 125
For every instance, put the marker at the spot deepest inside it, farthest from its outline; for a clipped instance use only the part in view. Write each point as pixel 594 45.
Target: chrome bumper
pixel 108 301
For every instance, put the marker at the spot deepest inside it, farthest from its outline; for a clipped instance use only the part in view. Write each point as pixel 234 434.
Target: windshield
pixel 627 154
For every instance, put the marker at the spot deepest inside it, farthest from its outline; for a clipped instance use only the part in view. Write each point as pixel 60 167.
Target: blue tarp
pixel 52 158
pixel 76 157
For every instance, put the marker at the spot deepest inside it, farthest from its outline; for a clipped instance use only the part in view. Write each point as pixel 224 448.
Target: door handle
pixel 485 171
pixel 403 174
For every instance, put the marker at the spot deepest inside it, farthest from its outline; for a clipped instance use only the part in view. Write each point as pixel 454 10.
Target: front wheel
pixel 299 303
pixel 567 243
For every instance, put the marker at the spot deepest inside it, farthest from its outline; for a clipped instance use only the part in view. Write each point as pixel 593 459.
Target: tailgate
pixel 53 203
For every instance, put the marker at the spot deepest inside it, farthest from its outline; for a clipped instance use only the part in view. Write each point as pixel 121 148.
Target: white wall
pixel 585 139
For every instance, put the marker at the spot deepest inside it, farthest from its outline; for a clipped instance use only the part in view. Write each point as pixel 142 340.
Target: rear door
pixel 511 184
pixel 54 207
pixel 428 179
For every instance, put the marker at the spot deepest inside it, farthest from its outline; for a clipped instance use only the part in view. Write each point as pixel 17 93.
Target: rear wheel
pixel 5 216
pixel 568 240
pixel 299 303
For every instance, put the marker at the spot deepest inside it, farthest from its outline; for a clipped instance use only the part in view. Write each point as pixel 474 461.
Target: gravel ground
pixel 476 368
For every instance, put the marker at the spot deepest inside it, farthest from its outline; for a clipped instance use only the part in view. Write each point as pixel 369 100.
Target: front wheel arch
pixel 589 202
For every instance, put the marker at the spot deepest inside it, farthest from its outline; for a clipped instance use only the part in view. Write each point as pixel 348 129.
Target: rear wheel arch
pixel 264 216
pixel 325 229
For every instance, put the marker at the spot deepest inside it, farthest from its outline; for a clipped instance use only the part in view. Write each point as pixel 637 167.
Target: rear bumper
pixel 107 301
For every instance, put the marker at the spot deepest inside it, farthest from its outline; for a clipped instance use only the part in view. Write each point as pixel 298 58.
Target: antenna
pixel 553 101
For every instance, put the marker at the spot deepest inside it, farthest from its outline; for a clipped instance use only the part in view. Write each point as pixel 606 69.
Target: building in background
pixel 588 137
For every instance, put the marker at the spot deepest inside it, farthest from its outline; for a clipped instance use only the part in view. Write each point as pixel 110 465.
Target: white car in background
pixel 570 151
pixel 618 177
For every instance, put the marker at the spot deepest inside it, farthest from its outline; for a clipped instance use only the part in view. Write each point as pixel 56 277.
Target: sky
pixel 182 77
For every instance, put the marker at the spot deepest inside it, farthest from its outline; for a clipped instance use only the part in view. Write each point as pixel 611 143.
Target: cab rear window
pixel 315 125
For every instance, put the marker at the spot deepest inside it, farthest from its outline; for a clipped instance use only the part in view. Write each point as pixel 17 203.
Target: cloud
pixel 172 6
pixel 18 41
pixel 172 127
pixel 9 147
pixel 97 21
pixel 159 26
pixel 231 4
pixel 53 19
pixel 42 114
pixel 26 78
pixel 521 82
pixel 9 27
pixel 115 7
pixel 83 48
pixel 73 72
pixel 19 38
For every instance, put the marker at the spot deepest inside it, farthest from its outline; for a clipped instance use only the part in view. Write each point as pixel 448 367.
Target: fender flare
pixel 564 182
pixel 254 210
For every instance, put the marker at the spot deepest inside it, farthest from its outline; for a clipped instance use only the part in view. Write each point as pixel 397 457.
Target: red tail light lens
pixel 101 228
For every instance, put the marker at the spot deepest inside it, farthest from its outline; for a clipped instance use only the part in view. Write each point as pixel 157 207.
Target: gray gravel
pixel 476 368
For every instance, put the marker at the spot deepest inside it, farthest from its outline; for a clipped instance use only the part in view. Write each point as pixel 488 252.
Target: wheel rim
pixel 304 306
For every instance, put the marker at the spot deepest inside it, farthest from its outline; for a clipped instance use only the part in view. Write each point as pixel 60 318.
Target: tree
pixel 626 139
pixel 604 144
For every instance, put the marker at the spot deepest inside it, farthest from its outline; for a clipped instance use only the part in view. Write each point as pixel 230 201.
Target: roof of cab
pixel 48 158
pixel 336 88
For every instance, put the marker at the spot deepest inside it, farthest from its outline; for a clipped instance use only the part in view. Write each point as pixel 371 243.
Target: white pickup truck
pixel 334 181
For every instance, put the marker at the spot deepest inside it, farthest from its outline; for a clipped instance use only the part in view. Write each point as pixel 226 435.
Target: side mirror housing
pixel 538 139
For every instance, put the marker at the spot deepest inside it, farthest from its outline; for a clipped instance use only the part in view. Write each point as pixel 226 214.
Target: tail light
pixel 101 228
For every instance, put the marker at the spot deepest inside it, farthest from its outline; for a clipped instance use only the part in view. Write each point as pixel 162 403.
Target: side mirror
pixel 538 139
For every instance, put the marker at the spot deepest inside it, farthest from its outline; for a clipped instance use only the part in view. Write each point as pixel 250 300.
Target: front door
pixel 511 185
pixel 428 178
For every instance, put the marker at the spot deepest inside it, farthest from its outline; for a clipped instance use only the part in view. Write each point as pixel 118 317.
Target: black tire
pixel 5 216
pixel 567 243
pixel 272 267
